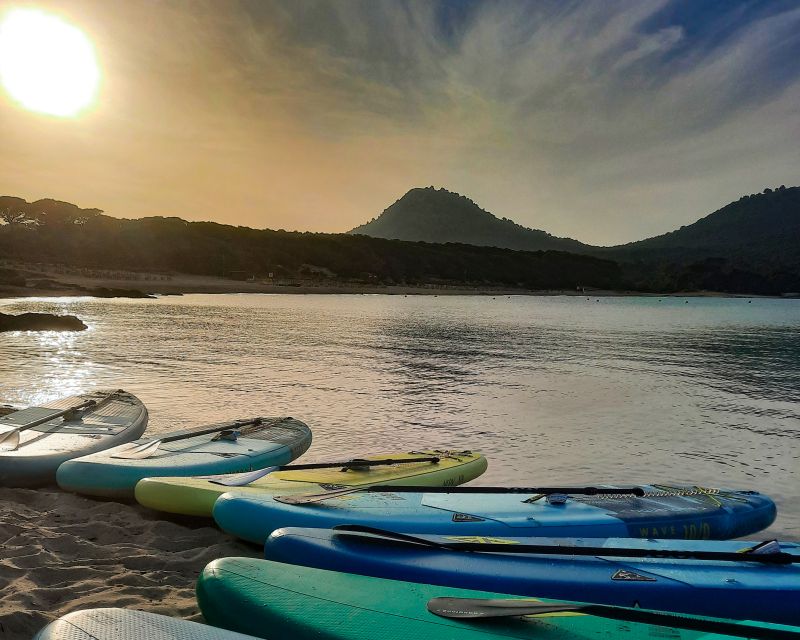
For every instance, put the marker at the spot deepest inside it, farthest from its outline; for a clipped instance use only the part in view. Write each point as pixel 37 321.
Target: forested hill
pixel 749 246
pixel 760 226
pixel 55 232
pixel 438 215
pixel 752 244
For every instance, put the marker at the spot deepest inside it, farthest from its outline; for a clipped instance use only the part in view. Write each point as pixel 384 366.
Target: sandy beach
pixel 61 552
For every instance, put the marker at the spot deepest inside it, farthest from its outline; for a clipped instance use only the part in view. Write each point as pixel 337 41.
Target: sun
pixel 46 64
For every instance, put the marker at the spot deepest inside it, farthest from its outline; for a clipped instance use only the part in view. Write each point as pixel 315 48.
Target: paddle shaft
pixel 60 414
pixel 354 464
pixel 375 535
pixel 321 497
pixel 146 449
pixel 209 430
pixel 478 608
pixel 589 491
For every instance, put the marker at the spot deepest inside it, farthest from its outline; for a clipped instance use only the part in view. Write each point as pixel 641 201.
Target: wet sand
pixel 61 552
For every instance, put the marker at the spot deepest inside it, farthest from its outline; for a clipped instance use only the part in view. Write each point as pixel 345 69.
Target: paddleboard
pixel 116 419
pixel 664 512
pixel 128 624
pixel 274 441
pixel 275 600
pixel 716 588
pixel 196 496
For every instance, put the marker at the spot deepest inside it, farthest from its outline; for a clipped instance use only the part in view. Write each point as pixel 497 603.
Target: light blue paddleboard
pixel 275 441
pixel 663 512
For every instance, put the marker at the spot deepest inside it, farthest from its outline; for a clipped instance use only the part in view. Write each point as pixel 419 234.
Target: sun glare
pixel 46 64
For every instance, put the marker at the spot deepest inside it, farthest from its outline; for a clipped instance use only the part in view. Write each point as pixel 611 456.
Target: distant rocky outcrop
pixel 438 215
pixel 40 322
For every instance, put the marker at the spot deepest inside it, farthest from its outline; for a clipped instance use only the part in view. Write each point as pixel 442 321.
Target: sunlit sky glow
pixel 604 121
pixel 46 64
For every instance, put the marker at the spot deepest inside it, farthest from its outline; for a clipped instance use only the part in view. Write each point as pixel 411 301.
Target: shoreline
pixel 202 285
pixel 63 552
pixel 48 281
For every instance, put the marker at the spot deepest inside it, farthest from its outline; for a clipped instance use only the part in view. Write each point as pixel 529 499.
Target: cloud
pixel 606 121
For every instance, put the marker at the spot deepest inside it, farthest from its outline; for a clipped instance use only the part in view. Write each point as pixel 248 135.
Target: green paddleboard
pixel 275 600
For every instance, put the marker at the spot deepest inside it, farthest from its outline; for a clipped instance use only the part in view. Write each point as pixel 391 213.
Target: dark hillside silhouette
pixel 50 231
pixel 749 246
pixel 438 215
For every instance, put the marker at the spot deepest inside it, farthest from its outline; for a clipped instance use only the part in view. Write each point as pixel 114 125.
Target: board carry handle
pixel 9 441
pixel 749 554
pixel 310 498
pixel 356 463
pixel 147 449
pixel 488 608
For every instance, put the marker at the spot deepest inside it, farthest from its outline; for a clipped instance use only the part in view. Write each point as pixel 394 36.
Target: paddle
pixel 357 463
pixel 482 608
pixel 310 498
pixel 767 552
pixel 9 441
pixel 147 449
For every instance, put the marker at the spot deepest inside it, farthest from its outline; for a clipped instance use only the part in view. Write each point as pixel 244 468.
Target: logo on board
pixel 465 517
pixel 481 540
pixel 632 576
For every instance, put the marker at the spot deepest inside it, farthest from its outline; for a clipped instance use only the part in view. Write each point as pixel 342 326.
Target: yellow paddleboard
pixel 195 496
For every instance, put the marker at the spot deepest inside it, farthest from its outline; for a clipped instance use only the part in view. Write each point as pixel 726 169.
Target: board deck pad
pixel 125 624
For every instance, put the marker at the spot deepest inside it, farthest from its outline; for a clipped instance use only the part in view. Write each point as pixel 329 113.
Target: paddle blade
pixel 9 441
pixel 312 498
pixel 243 479
pixel 498 608
pixel 139 451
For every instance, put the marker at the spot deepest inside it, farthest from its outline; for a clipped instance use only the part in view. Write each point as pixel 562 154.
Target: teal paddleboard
pixel 275 600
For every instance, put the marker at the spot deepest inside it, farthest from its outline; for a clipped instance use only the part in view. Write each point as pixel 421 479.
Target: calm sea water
pixel 553 390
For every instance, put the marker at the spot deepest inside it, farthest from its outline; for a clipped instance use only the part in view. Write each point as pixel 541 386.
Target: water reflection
pixel 554 390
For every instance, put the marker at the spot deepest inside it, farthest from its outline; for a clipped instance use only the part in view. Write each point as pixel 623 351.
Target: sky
pixel 606 121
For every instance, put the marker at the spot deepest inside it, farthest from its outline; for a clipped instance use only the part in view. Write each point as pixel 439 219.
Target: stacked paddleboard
pixel 274 600
pixel 237 446
pixel 35 441
pixel 725 579
pixel 196 496
pixel 392 545
pixel 649 511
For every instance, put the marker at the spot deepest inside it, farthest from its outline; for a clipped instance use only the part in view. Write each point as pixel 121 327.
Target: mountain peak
pixel 429 214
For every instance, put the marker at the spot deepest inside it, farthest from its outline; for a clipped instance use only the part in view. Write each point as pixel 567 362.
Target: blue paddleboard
pixel 663 512
pixel 717 588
